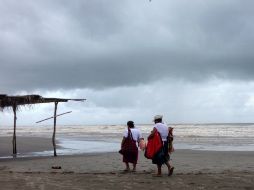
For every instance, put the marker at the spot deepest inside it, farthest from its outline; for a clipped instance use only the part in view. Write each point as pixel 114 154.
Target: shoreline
pixel 34 147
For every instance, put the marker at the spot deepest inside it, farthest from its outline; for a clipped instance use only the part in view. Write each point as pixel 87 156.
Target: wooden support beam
pixel 54 133
pixel 53 117
pixel 14 142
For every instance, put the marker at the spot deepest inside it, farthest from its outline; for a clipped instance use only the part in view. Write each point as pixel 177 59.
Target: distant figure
pixel 170 140
pixel 129 148
pixel 142 144
pixel 162 157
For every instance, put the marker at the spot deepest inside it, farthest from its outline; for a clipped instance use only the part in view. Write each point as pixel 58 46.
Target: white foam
pixel 102 138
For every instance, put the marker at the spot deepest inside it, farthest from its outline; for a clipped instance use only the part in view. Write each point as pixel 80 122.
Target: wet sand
pixel 193 170
pixel 25 145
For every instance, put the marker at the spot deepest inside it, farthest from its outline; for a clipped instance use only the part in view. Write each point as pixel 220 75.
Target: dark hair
pixel 130 124
pixel 158 120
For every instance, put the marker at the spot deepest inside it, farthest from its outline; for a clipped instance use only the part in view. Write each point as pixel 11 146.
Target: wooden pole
pixel 14 144
pixel 54 133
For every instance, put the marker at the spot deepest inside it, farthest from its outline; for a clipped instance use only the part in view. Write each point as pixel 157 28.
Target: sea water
pixel 78 139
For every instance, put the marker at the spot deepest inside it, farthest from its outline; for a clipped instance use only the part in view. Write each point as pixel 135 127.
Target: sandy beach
pixel 194 170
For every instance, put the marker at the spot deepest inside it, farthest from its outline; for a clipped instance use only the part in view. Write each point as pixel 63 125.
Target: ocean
pixel 78 139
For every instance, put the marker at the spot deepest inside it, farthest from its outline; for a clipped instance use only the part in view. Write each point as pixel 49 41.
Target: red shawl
pixel 154 144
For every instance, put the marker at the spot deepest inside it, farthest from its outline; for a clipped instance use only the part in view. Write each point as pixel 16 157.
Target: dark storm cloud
pixel 101 44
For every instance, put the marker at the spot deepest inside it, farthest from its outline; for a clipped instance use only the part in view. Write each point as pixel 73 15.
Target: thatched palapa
pixel 10 101
pixel 15 102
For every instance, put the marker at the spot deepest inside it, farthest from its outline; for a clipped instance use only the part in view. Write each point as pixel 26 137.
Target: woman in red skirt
pixel 132 136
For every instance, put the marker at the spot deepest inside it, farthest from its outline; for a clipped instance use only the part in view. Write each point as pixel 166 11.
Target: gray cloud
pixel 216 101
pixel 102 44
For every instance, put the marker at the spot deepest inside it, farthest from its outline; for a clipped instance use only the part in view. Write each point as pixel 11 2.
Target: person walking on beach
pixel 129 148
pixel 162 156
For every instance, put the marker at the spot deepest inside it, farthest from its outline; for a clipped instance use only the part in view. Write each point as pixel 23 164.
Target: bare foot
pixel 126 170
pixel 157 175
pixel 170 172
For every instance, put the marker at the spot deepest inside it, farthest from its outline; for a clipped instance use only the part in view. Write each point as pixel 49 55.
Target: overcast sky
pixel 189 60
